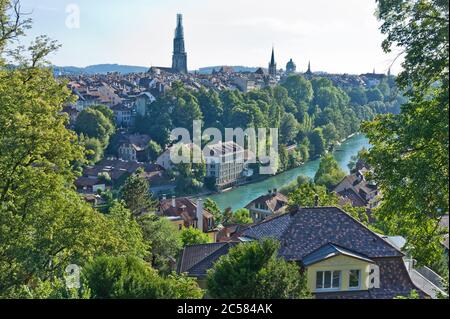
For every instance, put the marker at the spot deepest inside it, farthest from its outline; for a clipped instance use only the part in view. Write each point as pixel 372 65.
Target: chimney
pixel 270 191
pixel 316 200
pixel 164 197
pixel 174 204
pixel 293 209
pixel 200 214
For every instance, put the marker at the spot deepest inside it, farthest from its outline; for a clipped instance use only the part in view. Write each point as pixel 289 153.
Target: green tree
pixel 329 173
pixel 93 123
pixel 374 95
pixel 212 207
pixel 122 222
pixel 45 223
pixel 299 89
pixel 93 147
pixel 106 111
pixel 288 128
pixel 211 107
pixel 136 194
pixel 189 176
pixel 241 217
pixel 193 236
pixel 253 271
pixel 185 106
pixel 307 194
pixel 154 150
pixel 131 278
pixel 163 238
pixel 317 143
pixel 358 96
pixel 410 150
pixel 158 121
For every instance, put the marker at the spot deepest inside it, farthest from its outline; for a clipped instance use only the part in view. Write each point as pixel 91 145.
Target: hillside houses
pixel 267 205
pixel 357 190
pixel 184 212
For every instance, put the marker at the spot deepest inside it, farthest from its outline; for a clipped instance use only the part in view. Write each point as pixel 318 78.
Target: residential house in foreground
pixel 183 212
pixel 267 205
pixel 341 257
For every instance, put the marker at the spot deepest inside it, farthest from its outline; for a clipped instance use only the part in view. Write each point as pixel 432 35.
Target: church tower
pixel 309 72
pixel 179 58
pixel 272 64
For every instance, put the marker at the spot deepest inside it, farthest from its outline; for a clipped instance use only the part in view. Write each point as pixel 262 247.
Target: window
pixel 354 280
pixel 328 280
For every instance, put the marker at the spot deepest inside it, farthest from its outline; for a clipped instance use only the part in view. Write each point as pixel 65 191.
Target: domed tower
pixel 290 67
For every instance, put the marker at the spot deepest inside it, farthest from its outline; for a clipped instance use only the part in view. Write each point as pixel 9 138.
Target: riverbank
pixel 241 195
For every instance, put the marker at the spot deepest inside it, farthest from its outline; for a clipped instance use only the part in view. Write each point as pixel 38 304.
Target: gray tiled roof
pixel 197 259
pixel 274 228
pixel 308 229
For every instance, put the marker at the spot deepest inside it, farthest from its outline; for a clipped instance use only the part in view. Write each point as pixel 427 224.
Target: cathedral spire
pixel 272 64
pixel 309 72
pixel 272 60
pixel 179 31
pixel 179 58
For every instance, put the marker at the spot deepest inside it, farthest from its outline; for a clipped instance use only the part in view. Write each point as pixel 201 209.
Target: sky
pixel 337 36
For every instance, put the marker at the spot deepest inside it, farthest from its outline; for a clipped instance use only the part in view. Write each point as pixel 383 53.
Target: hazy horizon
pixel 336 36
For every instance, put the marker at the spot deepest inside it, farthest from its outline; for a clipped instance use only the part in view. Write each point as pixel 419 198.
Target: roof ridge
pixel 370 231
pixel 207 244
pixel 267 220
pixel 375 235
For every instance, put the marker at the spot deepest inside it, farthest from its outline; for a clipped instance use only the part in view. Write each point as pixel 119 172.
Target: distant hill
pixel 100 69
pixel 236 68
pixel 125 69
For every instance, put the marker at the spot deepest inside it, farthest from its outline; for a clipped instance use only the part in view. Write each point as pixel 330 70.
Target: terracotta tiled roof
pixel 184 207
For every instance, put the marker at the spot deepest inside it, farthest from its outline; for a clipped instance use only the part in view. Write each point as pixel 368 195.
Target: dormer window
pixel 328 280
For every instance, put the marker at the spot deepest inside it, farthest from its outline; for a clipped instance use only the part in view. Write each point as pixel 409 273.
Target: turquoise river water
pixel 242 195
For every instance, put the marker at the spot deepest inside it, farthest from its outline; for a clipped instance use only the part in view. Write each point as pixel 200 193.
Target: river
pixel 242 195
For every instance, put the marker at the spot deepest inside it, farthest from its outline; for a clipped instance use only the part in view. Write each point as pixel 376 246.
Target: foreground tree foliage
pixel 253 271
pixel 44 224
pixel 410 150
pixel 164 241
pixel 131 278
